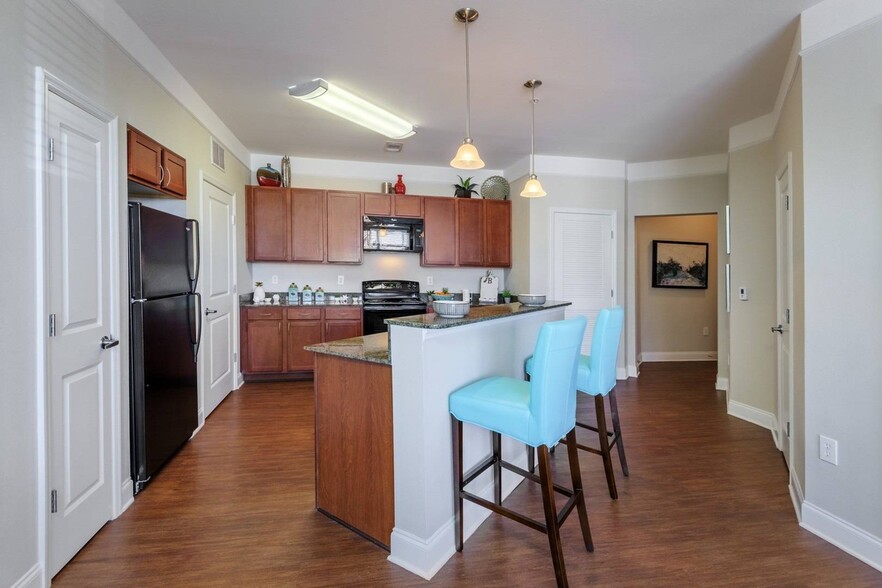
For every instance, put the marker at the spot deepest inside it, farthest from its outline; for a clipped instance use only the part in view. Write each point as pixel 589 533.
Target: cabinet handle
pixel 168 175
pixel 161 175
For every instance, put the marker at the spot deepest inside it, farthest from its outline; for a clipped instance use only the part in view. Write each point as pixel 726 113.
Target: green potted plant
pixel 506 295
pixel 465 188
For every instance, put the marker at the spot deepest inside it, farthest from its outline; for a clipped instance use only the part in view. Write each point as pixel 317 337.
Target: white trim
pixel 47 82
pixel 621 373
pixel 120 27
pixel 847 537
pixel 796 495
pixel 568 166
pixel 633 371
pixel 784 258
pixel 127 491
pixel 33 578
pixel 753 415
pixel 705 165
pixel 722 384
pixel 832 18
pixel 650 356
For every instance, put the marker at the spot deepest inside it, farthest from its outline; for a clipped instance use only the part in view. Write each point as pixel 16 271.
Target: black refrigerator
pixel 165 329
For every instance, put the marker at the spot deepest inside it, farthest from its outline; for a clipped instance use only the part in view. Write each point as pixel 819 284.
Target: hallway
pixel 706 505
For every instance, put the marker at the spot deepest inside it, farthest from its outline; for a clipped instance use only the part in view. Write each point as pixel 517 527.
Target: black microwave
pixel 386 233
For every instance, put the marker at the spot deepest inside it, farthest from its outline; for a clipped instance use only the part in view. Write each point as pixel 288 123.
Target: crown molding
pixel 119 26
pixel 705 165
pixel 832 18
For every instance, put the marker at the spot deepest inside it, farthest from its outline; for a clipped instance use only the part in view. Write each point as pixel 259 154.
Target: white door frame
pixel 45 83
pixel 783 249
pixel 234 361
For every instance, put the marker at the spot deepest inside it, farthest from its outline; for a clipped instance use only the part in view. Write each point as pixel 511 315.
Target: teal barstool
pixel 538 413
pixel 597 377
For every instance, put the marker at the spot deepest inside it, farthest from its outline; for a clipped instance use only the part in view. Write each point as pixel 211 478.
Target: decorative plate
pixel 495 188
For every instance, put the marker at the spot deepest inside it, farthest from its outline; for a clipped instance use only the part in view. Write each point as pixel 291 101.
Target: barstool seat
pixel 537 413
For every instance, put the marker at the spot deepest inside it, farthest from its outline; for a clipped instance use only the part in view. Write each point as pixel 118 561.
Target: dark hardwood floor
pixel 706 505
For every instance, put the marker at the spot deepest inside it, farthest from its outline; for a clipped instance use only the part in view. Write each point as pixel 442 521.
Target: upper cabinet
pixel 344 227
pixel 307 224
pixel 469 232
pixel 155 167
pixel 497 233
pixel 439 216
pixel 399 205
pixel 268 224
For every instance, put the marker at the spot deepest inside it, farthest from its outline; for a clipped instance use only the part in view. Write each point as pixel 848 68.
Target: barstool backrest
pixel 604 350
pixel 553 382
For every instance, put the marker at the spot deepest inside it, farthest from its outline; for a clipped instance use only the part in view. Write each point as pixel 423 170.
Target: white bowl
pixel 531 299
pixel 451 308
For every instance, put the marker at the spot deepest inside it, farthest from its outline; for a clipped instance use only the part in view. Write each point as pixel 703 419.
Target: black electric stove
pixel 385 299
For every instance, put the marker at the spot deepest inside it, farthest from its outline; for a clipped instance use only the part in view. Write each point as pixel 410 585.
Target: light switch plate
pixel 339 280
pixel 430 281
pixel 742 293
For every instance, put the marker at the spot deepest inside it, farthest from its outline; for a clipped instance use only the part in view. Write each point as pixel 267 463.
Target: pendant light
pixel 467 155
pixel 533 189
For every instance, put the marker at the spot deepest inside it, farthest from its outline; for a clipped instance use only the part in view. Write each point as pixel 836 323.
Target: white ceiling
pixel 636 80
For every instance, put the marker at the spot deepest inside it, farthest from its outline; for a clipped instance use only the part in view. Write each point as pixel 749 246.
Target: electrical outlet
pixel 275 280
pixel 430 281
pixel 829 450
pixel 705 331
pixel 339 280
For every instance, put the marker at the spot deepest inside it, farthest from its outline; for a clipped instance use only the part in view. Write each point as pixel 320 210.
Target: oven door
pixel 374 317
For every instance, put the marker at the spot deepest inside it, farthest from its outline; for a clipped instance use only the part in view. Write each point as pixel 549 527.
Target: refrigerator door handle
pixel 198 315
pixel 194 253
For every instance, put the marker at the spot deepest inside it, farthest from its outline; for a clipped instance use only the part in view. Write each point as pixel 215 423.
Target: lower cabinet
pixel 273 338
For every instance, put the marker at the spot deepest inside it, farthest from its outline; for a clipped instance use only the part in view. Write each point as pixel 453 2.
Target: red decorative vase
pixel 399 186
pixel 267 176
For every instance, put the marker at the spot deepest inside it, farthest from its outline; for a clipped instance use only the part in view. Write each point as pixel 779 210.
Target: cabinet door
pixel 308 225
pixel 408 206
pixel 300 334
pixel 267 224
pixel 175 173
pixel 345 227
pixel 378 204
pixel 440 231
pixel 145 157
pixel 470 231
pixel 265 346
pixel 497 233
pixel 342 329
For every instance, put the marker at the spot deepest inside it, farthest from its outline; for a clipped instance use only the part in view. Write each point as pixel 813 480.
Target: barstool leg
pixel 617 429
pixel 576 475
pixel 557 559
pixel 531 451
pixel 456 435
pixel 497 468
pixel 604 446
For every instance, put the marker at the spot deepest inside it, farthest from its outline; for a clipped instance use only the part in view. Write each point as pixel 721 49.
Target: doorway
pixel 784 238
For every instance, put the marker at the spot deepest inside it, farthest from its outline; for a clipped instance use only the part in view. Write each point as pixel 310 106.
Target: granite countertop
pixel 476 314
pixel 373 348
pixel 283 302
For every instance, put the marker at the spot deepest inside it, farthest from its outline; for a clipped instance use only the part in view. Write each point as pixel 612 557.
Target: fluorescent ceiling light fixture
pixel 336 100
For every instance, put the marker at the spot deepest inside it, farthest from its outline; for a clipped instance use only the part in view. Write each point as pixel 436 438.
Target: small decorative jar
pixel 293 294
pixel 307 294
pixel 319 295
pixel 400 188
pixel 259 293
pixel 267 176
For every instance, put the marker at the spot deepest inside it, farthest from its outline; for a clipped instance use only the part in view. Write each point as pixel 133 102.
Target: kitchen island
pixel 382 423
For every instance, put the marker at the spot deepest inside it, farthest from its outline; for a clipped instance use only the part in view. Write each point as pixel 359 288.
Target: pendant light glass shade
pixel 533 189
pixel 467 155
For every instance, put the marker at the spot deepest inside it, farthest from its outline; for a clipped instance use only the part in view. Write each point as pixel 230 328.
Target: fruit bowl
pixel 451 308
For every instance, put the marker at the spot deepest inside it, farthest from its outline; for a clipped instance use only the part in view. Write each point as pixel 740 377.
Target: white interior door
pixel 583 264
pixel 785 304
pixel 218 292
pixel 79 298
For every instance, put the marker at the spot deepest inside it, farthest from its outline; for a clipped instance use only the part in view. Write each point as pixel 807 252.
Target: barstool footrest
pixel 478 470
pixel 534 478
pixel 506 512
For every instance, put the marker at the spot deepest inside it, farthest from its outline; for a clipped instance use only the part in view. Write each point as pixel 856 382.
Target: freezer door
pixel 163 252
pixel 164 401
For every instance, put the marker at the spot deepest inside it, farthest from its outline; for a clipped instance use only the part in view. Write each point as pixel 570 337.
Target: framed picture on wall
pixel 679 264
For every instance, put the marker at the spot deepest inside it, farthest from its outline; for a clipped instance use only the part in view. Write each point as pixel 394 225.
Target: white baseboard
pixel 425 557
pixel 796 496
pixel 200 416
pixel 621 373
pixel 633 371
pixel 847 537
pixel 722 384
pixel 240 380
pixel 753 415
pixel 679 356
pixel 127 496
pixel 33 578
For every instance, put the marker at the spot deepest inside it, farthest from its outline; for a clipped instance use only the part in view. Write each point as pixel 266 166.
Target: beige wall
pixel 680 196
pixel 55 35
pixel 752 368
pixel 672 320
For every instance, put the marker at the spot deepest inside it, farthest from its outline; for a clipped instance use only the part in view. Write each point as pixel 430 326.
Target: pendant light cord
pixel 468 82
pixel 533 131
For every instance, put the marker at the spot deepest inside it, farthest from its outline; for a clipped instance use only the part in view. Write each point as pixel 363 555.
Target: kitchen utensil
pixel 495 188
pixel 451 308
pixel 531 299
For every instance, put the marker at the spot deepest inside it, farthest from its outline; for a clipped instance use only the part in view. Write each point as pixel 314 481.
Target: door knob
pixel 107 342
pixel 778 329
pixel 209 311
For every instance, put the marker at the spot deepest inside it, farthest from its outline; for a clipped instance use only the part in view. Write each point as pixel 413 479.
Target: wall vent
pixel 218 154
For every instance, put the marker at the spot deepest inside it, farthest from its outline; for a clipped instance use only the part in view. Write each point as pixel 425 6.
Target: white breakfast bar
pixel 430 357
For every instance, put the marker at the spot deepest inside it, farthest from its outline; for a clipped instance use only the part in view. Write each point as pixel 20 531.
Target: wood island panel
pixel 353 440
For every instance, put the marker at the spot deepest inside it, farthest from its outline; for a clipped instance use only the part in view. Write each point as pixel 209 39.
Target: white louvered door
pixel 583 264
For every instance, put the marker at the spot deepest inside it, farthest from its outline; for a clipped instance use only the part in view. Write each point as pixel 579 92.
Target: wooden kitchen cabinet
pixel 497 233
pixel 378 204
pixel 300 333
pixel 307 225
pixel 155 167
pixel 264 340
pixel 397 205
pixel 470 242
pixel 268 218
pixel 342 323
pixel 344 227
pixel 440 231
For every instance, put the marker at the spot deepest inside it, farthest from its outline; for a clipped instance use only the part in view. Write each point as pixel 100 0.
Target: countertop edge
pixel 476 315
